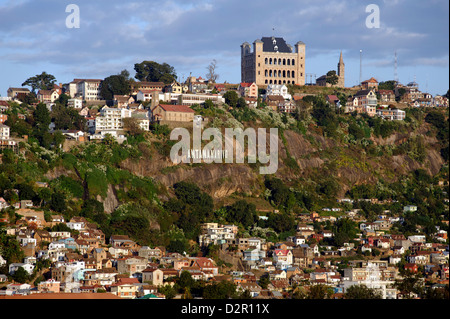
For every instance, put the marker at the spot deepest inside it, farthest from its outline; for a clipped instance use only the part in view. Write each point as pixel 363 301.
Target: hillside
pixel 133 188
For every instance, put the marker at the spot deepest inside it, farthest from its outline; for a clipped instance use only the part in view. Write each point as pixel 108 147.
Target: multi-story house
pixel 4 132
pixel 47 95
pixel 125 288
pixel 131 265
pixel 282 258
pixel 386 96
pixel 392 114
pixel 13 92
pixel 367 102
pixel 90 89
pixel 176 88
pixel 248 89
pixel 370 84
pixel 111 118
pixel 217 234
pixel 278 89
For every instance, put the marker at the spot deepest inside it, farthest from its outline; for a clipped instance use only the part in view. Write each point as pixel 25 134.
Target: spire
pixel 341 60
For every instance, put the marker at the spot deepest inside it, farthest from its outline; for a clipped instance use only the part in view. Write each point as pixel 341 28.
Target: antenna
pixel 395 68
pixel 360 67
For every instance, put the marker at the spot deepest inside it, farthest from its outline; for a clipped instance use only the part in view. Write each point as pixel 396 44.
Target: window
pixel 293 74
pixel 293 62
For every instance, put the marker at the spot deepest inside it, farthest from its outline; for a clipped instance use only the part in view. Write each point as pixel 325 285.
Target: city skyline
pixel 188 35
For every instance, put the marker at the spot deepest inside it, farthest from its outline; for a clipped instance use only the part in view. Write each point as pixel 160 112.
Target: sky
pixel 113 35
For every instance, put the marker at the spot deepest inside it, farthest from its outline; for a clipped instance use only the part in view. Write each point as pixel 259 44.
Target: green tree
pixel 332 78
pixel 241 103
pixel 387 85
pixel 58 202
pixel 319 292
pixel 362 292
pixel 21 275
pixel 177 246
pixel 43 81
pixel 42 117
pixel 168 291
pixel 410 284
pixel 115 85
pixel 231 98
pixel 242 212
pixel 186 280
pixel 154 72
pixel 222 290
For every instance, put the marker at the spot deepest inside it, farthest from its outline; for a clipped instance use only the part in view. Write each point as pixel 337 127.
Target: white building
pixel 191 99
pixel 392 114
pixel 4 132
pixel 216 234
pixel 278 89
pixel 76 103
pixel 75 225
pixel 86 89
pixel 15 266
pixel 111 119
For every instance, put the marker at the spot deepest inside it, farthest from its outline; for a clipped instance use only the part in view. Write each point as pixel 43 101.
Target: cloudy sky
pixel 114 35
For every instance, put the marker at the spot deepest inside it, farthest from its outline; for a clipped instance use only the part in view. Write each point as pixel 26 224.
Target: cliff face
pixel 314 155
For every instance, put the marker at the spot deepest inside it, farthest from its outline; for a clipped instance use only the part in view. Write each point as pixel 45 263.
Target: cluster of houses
pixel 377 102
pixel 285 262
pixel 82 261
pixel 158 102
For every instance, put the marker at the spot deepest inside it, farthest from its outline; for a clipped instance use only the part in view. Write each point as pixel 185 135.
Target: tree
pixel 177 246
pixel 168 291
pixel 362 292
pixel 241 103
pixel 231 98
pixel 57 202
pixel 332 78
pixel 242 212
pixel 212 76
pixel 43 81
pixel 410 284
pixel 119 84
pixel 42 117
pixel 319 292
pixel 67 118
pixel 387 85
pixel 186 280
pixel 131 125
pixel 21 275
pixel 222 290
pixel 154 72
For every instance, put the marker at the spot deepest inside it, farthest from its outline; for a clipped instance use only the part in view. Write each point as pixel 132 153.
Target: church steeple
pixel 341 71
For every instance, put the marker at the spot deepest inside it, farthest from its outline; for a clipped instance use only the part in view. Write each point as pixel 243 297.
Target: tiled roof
pixel 176 108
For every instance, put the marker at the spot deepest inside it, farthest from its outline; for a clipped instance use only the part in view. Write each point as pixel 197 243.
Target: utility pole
pixel 395 68
pixel 360 67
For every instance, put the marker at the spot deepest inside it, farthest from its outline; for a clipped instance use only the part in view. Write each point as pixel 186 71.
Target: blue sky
pixel 114 35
